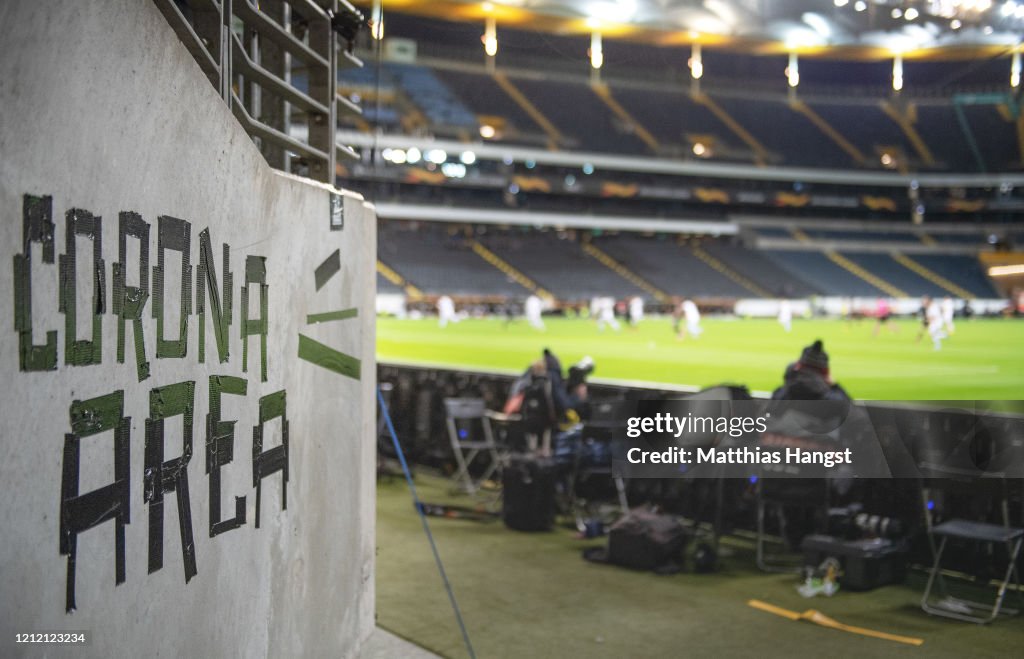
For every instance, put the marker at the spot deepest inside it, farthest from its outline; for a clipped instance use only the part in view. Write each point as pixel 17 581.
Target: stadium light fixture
pixel 696 63
pixel 1005 270
pixel 490 37
pixel 453 170
pixel 897 72
pixel 793 70
pixel 596 51
pixel 377 20
pixel 1015 70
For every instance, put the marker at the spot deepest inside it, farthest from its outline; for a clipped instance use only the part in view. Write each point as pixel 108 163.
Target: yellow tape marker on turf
pixel 819 618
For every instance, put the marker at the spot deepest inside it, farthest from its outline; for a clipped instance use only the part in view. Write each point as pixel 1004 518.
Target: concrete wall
pixel 102 109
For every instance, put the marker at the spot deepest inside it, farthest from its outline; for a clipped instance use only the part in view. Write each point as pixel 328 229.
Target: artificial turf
pixel 983 360
pixel 532 595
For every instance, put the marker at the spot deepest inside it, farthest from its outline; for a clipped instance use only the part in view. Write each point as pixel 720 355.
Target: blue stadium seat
pixel 884 266
pixel 830 278
pixel 672 268
pixel 785 133
pixel 758 268
pixel 964 271
pixel 559 266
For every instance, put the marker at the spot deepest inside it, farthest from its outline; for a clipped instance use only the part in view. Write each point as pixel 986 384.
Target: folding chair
pixel 604 426
pixel 809 425
pixel 971 531
pixel 462 414
pixel 811 495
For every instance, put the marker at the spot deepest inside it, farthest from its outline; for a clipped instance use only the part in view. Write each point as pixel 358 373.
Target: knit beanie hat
pixel 815 356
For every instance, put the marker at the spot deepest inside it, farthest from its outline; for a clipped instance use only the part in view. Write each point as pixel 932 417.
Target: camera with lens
pixel 579 372
pixel 852 523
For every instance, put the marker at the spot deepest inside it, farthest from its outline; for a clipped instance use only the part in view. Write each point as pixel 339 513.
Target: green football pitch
pixel 983 360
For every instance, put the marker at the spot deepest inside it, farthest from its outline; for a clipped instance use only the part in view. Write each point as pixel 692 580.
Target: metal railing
pixel 275 63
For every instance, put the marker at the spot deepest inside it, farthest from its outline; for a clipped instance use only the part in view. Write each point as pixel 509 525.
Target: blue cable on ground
pixel 423 519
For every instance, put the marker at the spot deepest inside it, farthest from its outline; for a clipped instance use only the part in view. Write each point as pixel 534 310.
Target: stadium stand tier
pixel 773 232
pixel 625 264
pixel 965 271
pixel 440 106
pixel 958 238
pixel 758 268
pixel 995 136
pixel 938 127
pixel 890 271
pixel 385 286
pixel 597 129
pixel 487 99
pixel 862 236
pixel 678 122
pixel 671 267
pixel 429 259
pixel 774 124
pixel 559 265
pixel 829 277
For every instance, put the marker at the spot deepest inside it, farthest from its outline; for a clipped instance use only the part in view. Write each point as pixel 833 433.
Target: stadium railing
pixel 228 40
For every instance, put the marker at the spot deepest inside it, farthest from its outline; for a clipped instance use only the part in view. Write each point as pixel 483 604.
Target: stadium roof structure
pixel 848 29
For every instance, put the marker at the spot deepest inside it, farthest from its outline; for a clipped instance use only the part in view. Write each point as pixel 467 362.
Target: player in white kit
pixel 533 312
pixel 786 315
pixel 446 311
pixel 933 320
pixel 691 314
pixel 636 311
pixel 947 314
pixel 606 315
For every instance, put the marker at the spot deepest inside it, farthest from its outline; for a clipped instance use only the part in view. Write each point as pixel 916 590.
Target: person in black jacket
pixel 809 378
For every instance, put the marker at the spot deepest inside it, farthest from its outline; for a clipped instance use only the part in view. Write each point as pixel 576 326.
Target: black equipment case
pixel 528 490
pixel 645 540
pixel 866 564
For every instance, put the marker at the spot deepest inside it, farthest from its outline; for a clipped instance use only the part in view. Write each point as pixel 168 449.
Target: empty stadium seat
pixel 560 266
pixel 438 264
pixel 671 267
pixel 827 276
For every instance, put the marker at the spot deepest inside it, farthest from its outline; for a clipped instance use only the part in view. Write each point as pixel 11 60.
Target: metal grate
pixel 275 63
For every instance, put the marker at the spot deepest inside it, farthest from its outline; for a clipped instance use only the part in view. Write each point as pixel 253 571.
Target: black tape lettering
pixel 80 512
pixel 265 463
pixel 172 234
pixel 129 301
pixel 80 222
pixel 221 312
pixel 171 475
pixel 37 226
pixel 255 273
pixel 220 450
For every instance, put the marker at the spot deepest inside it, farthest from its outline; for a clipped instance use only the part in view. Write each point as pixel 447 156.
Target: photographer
pixel 809 378
pixel 545 401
